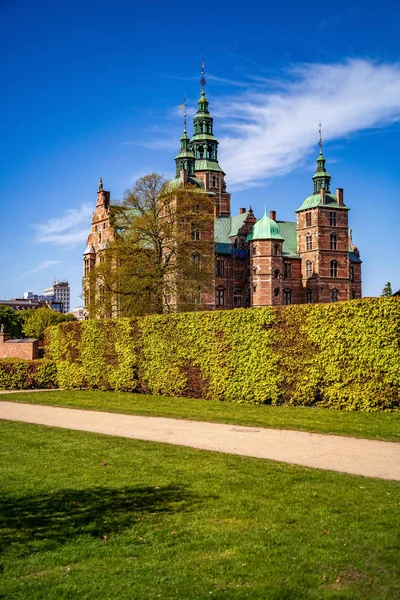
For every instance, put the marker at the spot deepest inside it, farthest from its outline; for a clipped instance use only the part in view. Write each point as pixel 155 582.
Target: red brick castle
pixel 259 262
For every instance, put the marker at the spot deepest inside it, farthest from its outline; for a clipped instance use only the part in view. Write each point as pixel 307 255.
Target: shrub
pixel 18 374
pixel 344 355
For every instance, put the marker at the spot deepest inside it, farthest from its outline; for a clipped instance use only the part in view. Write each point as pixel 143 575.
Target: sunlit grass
pixel 91 516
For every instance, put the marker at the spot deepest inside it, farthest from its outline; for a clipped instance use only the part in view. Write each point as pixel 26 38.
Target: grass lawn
pixel 91 516
pixel 379 426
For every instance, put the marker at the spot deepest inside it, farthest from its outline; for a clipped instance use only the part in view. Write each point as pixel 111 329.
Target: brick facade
pixel 310 260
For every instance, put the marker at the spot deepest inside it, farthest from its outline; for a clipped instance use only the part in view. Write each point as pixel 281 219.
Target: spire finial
pixel 320 138
pixel 203 79
pixel 183 107
pixel 100 184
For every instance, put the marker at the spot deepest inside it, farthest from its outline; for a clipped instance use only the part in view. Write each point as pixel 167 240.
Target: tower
pixel 266 262
pixel 323 241
pixel 204 146
pixel 101 232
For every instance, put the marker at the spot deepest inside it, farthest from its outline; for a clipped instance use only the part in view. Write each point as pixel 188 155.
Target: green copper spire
pixel 321 177
pixel 185 159
pixel 203 143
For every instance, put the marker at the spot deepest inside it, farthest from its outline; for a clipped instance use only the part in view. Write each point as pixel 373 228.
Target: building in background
pixel 59 292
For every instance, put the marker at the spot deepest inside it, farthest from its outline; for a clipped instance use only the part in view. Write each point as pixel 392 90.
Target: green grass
pixel 90 516
pixel 379 426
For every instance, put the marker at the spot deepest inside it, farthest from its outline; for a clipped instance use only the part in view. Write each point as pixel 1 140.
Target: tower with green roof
pixel 266 261
pixel 328 272
pixel 204 146
pixel 185 159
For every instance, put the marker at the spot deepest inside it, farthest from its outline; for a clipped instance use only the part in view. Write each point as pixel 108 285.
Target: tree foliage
pixel 12 320
pixel 387 290
pixel 161 256
pixel 37 320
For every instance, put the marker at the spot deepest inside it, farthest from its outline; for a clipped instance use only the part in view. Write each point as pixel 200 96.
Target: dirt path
pixel 336 453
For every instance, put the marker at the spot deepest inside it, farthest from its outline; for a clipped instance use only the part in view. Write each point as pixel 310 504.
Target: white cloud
pixel 45 264
pixel 72 228
pixel 272 132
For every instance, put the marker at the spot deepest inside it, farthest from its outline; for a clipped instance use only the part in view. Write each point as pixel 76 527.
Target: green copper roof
pixel 316 200
pixel 204 137
pixel 203 164
pixel 237 223
pixel 265 229
pixel 288 231
pixel 177 182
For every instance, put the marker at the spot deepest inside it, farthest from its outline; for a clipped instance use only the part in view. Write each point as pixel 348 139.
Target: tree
pixel 161 257
pixel 37 320
pixel 387 290
pixel 12 320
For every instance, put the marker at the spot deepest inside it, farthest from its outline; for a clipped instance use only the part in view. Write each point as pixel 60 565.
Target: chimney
pixel 272 215
pixel 323 195
pixel 242 211
pixel 339 196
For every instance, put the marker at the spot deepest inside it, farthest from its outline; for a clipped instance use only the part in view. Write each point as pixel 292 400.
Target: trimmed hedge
pixel 19 374
pixel 344 355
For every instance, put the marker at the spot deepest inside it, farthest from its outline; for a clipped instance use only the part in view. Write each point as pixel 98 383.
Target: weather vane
pixel 320 137
pixel 203 79
pixel 183 107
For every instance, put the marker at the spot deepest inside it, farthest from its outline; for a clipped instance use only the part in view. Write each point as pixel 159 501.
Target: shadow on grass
pixel 55 518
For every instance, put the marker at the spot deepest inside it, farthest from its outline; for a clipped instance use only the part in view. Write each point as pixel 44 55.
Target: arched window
pixel 287 270
pixel 287 297
pixel 200 152
pixel 333 241
pixel 276 274
pixel 309 268
pixel 220 296
pixel 334 268
pixel 195 259
pixel 309 296
pixel 209 152
pixel 276 249
pixel 308 241
pixel 276 292
pixel 334 295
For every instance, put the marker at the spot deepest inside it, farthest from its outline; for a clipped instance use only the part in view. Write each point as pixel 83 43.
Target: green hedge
pixel 18 374
pixel 344 355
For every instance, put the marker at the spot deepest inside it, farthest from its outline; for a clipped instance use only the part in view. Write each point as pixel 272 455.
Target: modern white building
pixel 59 292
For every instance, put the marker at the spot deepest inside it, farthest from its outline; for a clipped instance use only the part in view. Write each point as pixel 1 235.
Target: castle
pixel 261 262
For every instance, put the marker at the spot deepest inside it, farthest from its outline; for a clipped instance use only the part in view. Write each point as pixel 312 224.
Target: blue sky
pixel 93 88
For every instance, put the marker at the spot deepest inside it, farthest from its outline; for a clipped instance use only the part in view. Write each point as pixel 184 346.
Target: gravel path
pixel 336 453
